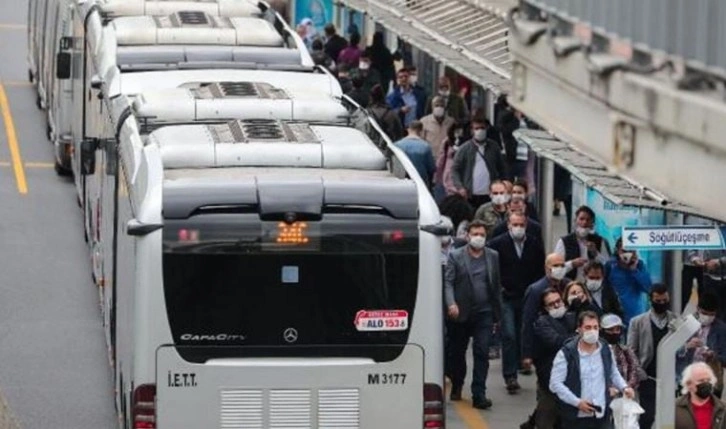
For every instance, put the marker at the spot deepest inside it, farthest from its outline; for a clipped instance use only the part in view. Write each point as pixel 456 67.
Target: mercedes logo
pixel 290 335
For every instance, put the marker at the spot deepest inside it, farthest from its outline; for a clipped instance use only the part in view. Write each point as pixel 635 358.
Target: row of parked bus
pixel 265 257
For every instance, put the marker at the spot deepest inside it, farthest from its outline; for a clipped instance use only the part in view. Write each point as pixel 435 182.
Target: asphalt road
pixel 54 371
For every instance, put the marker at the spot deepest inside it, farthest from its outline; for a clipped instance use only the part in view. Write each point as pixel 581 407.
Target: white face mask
pixel 591 337
pixel 593 285
pixel 626 257
pixel 705 320
pixel 518 232
pixel 480 135
pixel 557 313
pixel 582 232
pixel 558 273
pixel 439 111
pixel 444 93
pixel 364 65
pixel 477 242
pixel 412 79
pixel 500 199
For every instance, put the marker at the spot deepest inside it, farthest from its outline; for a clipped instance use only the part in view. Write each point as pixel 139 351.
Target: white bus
pixel 270 273
pixel 98 49
pixel 209 101
pixel 49 21
pixel 50 38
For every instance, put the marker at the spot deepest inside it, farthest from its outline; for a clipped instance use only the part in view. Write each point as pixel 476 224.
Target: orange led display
pixel 294 233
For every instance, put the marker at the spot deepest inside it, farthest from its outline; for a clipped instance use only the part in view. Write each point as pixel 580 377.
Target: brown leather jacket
pixel 686 420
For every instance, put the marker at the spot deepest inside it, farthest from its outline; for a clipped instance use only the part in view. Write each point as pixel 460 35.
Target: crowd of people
pixel 585 316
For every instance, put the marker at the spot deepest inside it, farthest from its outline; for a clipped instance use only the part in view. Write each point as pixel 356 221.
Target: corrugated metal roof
pixel 467 37
pixel 594 174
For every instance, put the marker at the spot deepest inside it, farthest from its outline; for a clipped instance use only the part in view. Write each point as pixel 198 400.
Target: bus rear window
pixel 224 301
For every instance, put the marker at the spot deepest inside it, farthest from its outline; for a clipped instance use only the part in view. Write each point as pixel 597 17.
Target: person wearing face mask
pixel 477 163
pixel 551 331
pixel 631 280
pixel 699 407
pixel 520 265
pixel 495 211
pixel 418 152
pixel 554 278
pixel 583 245
pixel 584 395
pixel 603 295
pixel 517 205
pixel 709 343
pixel 644 335
pixel 578 300
pixel 611 329
pixel 436 125
pixel 444 185
pixel 472 288
pixel 407 98
pixel 369 76
pixel 454 104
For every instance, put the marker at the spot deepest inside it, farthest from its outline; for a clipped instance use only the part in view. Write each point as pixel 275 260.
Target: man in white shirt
pixel 585 377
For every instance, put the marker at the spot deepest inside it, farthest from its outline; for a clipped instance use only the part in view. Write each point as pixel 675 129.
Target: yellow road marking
pixel 13 26
pixel 13 143
pixel 471 416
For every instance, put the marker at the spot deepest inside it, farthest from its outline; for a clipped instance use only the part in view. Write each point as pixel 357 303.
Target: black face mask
pixel 704 390
pixel 611 338
pixel 660 307
pixel 576 303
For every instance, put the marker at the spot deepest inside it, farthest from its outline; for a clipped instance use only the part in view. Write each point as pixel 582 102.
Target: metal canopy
pixel 469 38
pixel 596 175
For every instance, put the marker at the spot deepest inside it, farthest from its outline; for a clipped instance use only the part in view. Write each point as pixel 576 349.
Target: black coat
pixel 334 45
pixel 518 273
pixel 550 335
pixel 610 301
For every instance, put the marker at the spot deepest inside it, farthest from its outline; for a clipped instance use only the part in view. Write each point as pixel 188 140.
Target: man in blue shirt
pixel 418 152
pixel 407 99
pixel 585 376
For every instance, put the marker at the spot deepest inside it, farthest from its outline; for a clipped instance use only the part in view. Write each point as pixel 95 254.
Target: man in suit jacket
pixel 521 263
pixel 602 292
pixel 644 334
pixel 472 290
pixel 534 228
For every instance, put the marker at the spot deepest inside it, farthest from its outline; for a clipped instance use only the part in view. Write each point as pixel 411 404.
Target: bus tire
pixel 60 170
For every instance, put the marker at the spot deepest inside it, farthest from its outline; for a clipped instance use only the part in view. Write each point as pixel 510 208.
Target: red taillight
pixel 144 407
pixel 434 406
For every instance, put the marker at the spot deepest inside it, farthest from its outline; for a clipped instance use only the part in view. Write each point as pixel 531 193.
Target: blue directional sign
pixel 673 237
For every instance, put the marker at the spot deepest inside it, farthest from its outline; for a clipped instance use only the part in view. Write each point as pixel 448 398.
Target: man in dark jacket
pixel 521 259
pixel 334 43
pixel 477 163
pixel 384 115
pixel 454 104
pixel 583 245
pixel 551 330
pixel 517 205
pixel 602 293
pixel 472 290
pixel 585 404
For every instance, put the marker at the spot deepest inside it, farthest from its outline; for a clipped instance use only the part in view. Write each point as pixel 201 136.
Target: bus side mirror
pixel 439 229
pixel 63 65
pixel 135 228
pixel 88 156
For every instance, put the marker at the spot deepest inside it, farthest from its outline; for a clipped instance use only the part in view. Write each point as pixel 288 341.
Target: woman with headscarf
pixel 382 60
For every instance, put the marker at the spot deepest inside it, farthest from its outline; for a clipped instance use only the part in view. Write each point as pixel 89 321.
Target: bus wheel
pixel 60 170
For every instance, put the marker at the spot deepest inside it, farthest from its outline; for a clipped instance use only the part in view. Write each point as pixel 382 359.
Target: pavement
pixel 54 370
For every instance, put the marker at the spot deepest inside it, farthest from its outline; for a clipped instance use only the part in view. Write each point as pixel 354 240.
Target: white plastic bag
pixel 626 413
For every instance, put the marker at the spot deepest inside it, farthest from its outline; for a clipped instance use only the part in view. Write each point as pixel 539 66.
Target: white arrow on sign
pixel 672 237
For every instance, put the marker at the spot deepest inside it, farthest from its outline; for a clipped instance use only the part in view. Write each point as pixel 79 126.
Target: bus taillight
pixel 144 407
pixel 433 406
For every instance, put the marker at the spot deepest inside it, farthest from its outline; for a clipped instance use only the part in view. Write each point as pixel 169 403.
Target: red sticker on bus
pixel 381 320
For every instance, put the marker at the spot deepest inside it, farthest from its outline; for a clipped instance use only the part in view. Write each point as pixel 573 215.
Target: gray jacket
pixel 462 170
pixel 458 287
pixel 640 337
